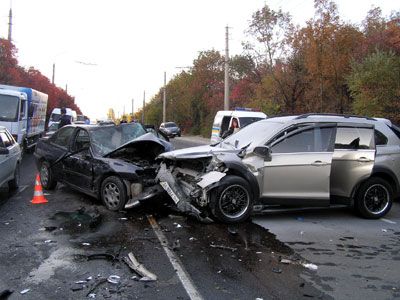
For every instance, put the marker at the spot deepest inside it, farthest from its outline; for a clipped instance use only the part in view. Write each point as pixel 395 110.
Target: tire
pixel 14 183
pixel 374 198
pixel 113 193
pixel 46 176
pixel 229 210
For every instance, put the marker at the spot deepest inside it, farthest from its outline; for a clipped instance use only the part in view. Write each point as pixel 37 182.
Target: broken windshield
pixel 108 138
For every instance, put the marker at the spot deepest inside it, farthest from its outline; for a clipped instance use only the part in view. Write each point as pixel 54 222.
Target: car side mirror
pixel 264 152
pixel 4 151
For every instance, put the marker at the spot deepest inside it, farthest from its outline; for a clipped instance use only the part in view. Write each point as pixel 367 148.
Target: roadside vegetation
pixel 327 65
pixel 12 73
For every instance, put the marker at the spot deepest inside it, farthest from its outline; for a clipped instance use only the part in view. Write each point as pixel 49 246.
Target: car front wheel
pixel 374 198
pixel 113 193
pixel 232 201
pixel 46 176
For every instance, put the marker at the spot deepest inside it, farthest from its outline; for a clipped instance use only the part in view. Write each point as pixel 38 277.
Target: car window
pixel 310 140
pixel 63 136
pixel 12 141
pixel 244 121
pixel 380 138
pixel 81 140
pixel 1 142
pixel 5 139
pixel 300 142
pixel 354 138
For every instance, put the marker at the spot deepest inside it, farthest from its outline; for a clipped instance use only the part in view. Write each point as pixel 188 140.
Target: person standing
pixel 64 119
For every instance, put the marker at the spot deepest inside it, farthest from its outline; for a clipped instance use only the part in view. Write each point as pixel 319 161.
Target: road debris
pixel 24 291
pixel 114 279
pixel 123 219
pixel 223 247
pixel 286 261
pixel 85 244
pixel 81 282
pixel 384 230
pixel 106 256
pixel 276 270
pixel 310 266
pixel 176 245
pixel 133 263
pixel 97 283
pixel 92 295
pixel 177 225
pixel 232 231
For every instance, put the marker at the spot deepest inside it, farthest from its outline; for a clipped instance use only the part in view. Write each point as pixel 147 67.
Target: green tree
pixel 375 85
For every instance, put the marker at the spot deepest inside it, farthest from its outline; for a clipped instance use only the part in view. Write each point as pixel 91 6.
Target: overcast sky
pixel 109 52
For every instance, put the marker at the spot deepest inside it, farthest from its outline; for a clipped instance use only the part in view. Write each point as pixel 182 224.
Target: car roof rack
pixel 333 115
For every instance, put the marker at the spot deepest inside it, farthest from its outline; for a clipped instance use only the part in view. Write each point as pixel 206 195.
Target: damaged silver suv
pixel 311 160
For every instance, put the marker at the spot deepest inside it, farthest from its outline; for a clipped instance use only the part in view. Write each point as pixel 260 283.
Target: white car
pixel 10 160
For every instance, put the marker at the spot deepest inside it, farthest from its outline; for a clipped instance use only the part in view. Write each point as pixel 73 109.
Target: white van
pixel 223 120
pixel 56 115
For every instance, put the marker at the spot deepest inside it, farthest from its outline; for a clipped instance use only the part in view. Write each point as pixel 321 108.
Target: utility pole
pixel 226 93
pixel 54 72
pixel 10 25
pixel 133 113
pixel 164 111
pixel 66 88
pixel 144 98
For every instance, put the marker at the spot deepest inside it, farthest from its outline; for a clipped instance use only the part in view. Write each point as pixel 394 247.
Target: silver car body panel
pixel 298 175
pixel 9 162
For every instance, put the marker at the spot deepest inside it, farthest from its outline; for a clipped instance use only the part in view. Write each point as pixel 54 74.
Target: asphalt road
pixel 47 248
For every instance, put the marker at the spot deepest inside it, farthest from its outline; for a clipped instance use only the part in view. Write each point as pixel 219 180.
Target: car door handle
pixel 318 163
pixel 363 159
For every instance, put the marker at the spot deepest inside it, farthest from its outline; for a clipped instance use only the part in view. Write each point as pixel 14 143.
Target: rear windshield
pixel 396 130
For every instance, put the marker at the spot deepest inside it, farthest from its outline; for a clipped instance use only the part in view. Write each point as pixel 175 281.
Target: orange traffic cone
pixel 38 197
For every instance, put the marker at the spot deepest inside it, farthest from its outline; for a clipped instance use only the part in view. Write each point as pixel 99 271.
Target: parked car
pixel 170 129
pixel 310 160
pixel 10 160
pixel 113 163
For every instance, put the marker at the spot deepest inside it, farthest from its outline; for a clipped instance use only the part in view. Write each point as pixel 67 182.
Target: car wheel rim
pixel 111 195
pixel 234 201
pixel 376 199
pixel 44 175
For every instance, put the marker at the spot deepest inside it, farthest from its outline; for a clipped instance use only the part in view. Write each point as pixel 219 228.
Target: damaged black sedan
pixel 113 163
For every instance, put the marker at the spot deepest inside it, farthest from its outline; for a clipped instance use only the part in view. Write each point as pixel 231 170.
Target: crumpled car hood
pixel 145 139
pixel 196 152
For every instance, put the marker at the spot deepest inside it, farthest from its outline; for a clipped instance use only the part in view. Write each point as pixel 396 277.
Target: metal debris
pixel 133 263
pixel 310 266
pixel 223 247
pixel 114 279
pixel 24 291
pixel 85 244
pixel 286 261
pixel 276 270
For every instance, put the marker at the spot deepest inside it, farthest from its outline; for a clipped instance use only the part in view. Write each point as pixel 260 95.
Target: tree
pixel 375 85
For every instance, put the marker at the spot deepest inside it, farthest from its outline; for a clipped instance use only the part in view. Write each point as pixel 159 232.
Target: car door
pixel 4 162
pixel 56 148
pixel 353 158
pixel 78 166
pixel 300 166
pixel 14 151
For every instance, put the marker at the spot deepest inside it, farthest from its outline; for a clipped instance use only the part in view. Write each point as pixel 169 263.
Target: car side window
pixel 299 142
pixel 5 139
pixel 11 139
pixel 353 138
pixel 1 142
pixel 63 136
pixel 81 140
pixel 380 138
pixel 317 139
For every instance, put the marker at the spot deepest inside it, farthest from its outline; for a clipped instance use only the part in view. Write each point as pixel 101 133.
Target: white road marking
pixel 22 188
pixel 175 261
pixel 388 221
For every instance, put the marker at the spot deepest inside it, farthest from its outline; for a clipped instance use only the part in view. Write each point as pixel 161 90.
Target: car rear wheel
pixel 14 183
pixel 374 198
pixel 232 201
pixel 46 176
pixel 113 193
